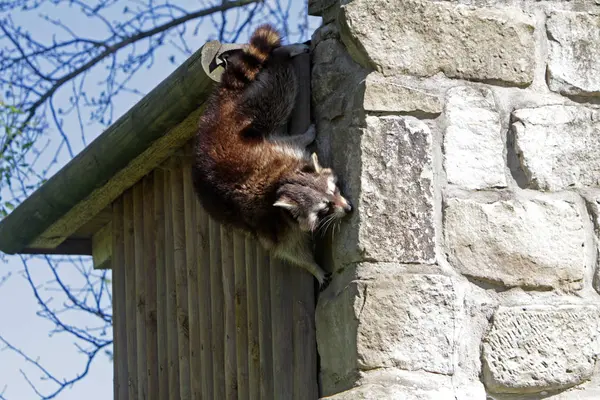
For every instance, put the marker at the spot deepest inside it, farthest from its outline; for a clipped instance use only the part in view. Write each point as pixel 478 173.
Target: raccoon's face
pixel 313 198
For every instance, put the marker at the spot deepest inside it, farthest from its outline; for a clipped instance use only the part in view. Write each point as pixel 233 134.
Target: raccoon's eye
pixel 324 210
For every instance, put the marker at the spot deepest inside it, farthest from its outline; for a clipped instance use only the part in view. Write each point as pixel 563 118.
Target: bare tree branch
pixel 109 49
pixel 91 298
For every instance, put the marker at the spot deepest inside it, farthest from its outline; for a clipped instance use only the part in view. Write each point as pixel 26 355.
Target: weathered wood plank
pixel 131 173
pixel 70 247
pixel 228 271
pixel 241 314
pixel 140 289
pixel 192 276
pixel 151 287
pixel 177 199
pixel 253 321
pixel 263 268
pixel 302 284
pixel 171 281
pixel 161 287
pixel 102 247
pixel 305 342
pixel 130 303
pixel 218 319
pixel 119 302
pixel 204 300
pixel 281 325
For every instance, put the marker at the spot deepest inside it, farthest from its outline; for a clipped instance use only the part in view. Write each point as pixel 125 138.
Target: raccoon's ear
pixel 315 161
pixel 286 203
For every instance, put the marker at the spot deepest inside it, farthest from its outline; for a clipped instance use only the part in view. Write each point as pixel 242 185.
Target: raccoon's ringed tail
pixel 244 67
pixel 262 42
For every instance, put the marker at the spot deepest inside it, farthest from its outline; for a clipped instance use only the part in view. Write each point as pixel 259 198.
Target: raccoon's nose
pixel 348 206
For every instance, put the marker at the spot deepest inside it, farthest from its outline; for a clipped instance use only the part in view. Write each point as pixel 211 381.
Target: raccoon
pixel 251 176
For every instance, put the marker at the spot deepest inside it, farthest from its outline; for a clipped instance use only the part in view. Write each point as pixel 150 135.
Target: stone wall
pixel 467 133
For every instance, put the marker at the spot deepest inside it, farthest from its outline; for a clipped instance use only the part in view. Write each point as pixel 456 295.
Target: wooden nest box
pixel 198 310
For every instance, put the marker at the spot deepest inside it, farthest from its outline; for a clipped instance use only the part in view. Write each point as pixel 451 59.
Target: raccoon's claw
pixel 326 281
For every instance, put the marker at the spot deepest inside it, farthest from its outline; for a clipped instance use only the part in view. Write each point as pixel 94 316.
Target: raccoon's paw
pixel 326 281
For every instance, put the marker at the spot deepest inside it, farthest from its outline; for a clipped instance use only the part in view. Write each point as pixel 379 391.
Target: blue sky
pixel 19 323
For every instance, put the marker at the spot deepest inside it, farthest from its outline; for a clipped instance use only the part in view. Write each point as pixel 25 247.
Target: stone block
pixel 395 204
pixel 534 349
pixel 394 384
pixel 393 94
pixel 574 57
pixel 423 38
pixel 316 7
pixel 593 205
pixel 528 243
pixel 558 146
pixel 473 145
pixel 403 321
pixel 332 74
pixel 374 391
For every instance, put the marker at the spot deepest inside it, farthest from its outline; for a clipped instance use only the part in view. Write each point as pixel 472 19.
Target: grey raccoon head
pixel 313 197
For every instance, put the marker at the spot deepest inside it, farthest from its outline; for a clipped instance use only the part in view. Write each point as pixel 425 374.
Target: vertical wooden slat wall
pixel 202 312
pixel 119 296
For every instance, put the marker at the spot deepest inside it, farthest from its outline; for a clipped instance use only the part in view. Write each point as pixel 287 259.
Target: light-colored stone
pixel 473 146
pixel 532 349
pixel 558 146
pixel 333 72
pixel 402 321
pixel 395 205
pixel 528 243
pixel 593 205
pixel 392 94
pixel 574 59
pixel 391 391
pixel 423 38
pixel 394 384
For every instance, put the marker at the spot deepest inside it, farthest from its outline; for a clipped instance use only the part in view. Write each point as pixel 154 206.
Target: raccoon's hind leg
pixel 299 253
pixel 270 99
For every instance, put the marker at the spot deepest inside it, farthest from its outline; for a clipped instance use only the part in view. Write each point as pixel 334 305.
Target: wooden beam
pixel 217 311
pixel 70 247
pixel 181 281
pixel 171 284
pixel 151 158
pixel 119 304
pixel 253 320
pixel 228 278
pixel 204 300
pixel 102 245
pixel 241 314
pixel 161 278
pixel 191 252
pixel 141 276
pixel 265 333
pixel 151 287
pixel 130 295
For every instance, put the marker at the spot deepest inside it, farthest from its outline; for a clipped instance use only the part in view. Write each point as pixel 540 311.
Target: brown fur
pixel 245 173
